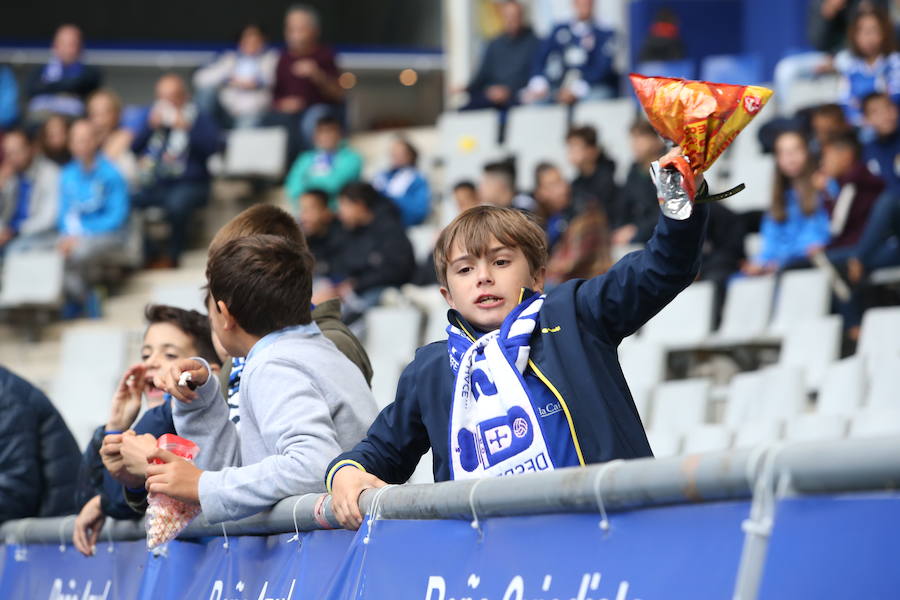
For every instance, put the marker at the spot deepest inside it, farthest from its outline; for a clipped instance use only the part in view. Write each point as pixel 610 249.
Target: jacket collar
pixel 456 319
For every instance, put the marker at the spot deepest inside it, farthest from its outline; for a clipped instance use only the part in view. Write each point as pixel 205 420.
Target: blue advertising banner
pixel 690 552
pixel 834 547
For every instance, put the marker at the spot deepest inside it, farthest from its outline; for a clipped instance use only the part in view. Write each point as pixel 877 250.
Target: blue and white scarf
pixel 494 430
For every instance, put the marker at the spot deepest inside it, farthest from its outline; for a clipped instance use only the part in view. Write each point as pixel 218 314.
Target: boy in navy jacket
pixel 526 381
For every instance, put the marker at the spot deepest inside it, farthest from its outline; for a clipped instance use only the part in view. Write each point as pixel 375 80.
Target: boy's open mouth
pixel 488 301
pixel 151 390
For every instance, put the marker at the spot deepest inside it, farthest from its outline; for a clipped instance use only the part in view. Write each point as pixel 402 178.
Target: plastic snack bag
pixel 167 517
pixel 701 117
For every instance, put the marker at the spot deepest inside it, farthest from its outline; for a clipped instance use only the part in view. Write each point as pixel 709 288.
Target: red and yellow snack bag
pixel 167 517
pixel 701 117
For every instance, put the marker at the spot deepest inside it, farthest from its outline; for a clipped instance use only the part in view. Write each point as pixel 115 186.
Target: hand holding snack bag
pixel 702 118
pixel 166 516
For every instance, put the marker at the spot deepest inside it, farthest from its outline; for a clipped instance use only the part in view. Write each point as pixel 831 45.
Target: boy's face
pixel 16 152
pixel 485 289
pixel 314 217
pixel 83 141
pixel 252 41
pixel 352 214
pixel 881 114
pixel 552 191
pixel 581 156
pixel 826 125
pixel 836 160
pixel 327 138
pixel 465 198
pixel 164 344
pixel 493 190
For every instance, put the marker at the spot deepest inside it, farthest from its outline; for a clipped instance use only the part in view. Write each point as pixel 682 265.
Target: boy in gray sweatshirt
pixel 302 400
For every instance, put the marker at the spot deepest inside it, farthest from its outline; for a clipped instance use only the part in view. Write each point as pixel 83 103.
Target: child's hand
pixel 135 451
pixel 111 455
pixel 126 402
pixel 88 525
pixel 176 477
pixel 168 380
pixel 675 153
pixel 348 483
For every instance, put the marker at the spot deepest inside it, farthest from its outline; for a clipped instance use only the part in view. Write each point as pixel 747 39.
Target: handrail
pixel 809 468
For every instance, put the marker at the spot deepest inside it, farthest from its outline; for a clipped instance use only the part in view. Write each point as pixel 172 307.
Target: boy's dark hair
pixel 194 324
pixel 260 219
pixel 542 168
pixel 329 121
pixel 264 280
pixel 251 25
pixel 24 134
pixel 873 97
pixel 504 169
pixel 473 230
pixel 586 133
pixel 846 140
pixel 464 185
pixel 642 127
pixel 831 111
pixel 320 195
pixel 361 192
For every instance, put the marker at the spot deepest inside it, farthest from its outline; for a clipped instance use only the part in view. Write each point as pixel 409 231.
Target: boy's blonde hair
pixel 260 219
pixel 473 230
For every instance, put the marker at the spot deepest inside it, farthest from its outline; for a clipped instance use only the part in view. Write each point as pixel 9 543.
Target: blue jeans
pixel 301 126
pixel 179 200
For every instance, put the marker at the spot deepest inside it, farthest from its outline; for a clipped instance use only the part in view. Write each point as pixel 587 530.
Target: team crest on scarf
pixel 494 429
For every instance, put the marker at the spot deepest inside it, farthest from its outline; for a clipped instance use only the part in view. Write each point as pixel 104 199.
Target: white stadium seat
pixel 843 388
pixel 757 433
pixel 256 151
pixel 809 428
pixel 879 335
pixel 875 423
pixel 535 134
pixel 707 438
pixel 748 305
pixel 679 406
pixel 687 319
pixel 812 344
pixel 802 294
pixel 664 443
pixel 466 141
pixel 32 278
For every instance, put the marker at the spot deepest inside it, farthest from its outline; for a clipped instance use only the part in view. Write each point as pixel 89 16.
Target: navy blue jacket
pixel 506 61
pixel 95 479
pixel 205 140
pixel 38 455
pixel 575 353
pixel 882 156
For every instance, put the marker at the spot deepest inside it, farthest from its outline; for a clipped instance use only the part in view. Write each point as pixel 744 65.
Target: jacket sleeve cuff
pixel 210 501
pixel 329 479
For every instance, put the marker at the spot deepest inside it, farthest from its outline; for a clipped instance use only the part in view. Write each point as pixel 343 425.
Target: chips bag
pixel 701 117
pixel 166 516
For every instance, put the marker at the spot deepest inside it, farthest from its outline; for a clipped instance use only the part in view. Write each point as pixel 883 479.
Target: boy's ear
pixel 447 297
pixel 227 318
pixel 539 280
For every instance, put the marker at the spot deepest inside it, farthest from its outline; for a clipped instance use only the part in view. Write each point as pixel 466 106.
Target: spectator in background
pixel 29 193
pixel 465 195
pixel 405 184
pixel 636 209
pixel 38 457
pixel 375 253
pixel 172 149
pixel 882 153
pixel 239 83
pixel 330 166
pixel 9 99
pixel 796 221
pixel 723 252
pixel 578 242
pixel 62 85
pixel 850 192
pixel 826 121
pixel 92 215
pixel 323 231
pixel 870 63
pixel 53 140
pixel 497 187
pixel 306 79
pixel 104 111
pixel 663 42
pixel 575 62
pixel 506 64
pixel 595 171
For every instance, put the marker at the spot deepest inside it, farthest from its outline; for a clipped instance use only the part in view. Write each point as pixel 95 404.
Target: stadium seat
pixel 757 433
pixel 809 428
pixel 386 370
pixel 393 332
pixel 643 363
pixel 748 304
pixel 422 238
pixel 535 134
pixel 739 69
pixel 641 398
pixel 685 69
pixel 258 151
pixel 843 388
pixel 812 344
pixel 801 294
pixel 686 320
pixel 664 443
pixel 879 335
pixel 742 399
pixel 679 406
pixel 805 93
pixel 875 423
pixel 424 472
pixel 884 385
pixel 466 141
pixel 32 278
pixel 707 438
pixel 783 393
pixel 188 296
pixel 613 120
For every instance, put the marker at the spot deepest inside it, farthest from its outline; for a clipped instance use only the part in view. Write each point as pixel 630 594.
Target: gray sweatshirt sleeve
pixel 205 422
pixel 44 204
pixel 299 436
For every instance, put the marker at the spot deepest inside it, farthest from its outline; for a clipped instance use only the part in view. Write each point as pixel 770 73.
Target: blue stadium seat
pixel 740 69
pixel 668 68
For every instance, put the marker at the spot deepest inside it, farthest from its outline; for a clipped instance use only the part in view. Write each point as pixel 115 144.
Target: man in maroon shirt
pixel 306 79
